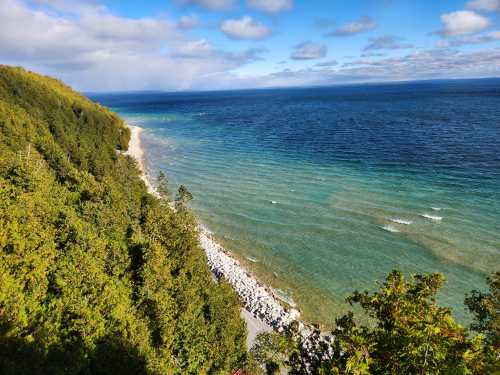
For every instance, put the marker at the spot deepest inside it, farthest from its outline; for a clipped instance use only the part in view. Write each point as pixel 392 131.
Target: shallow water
pixel 326 190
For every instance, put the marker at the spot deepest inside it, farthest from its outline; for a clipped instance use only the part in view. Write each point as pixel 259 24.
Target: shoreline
pixel 136 151
pixel 262 310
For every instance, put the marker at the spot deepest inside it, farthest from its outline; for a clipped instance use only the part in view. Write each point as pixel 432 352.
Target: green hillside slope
pixel 96 275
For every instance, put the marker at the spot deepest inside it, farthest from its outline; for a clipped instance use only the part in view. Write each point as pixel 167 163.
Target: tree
pixel 412 334
pixel 183 197
pixel 162 187
pixel 273 350
pixel 96 275
pixel 486 310
pixel 408 333
pixel 292 351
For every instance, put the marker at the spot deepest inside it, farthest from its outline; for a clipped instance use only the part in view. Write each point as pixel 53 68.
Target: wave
pixel 284 296
pixel 253 260
pixel 432 217
pixel 436 208
pixel 274 202
pixel 390 228
pixel 401 221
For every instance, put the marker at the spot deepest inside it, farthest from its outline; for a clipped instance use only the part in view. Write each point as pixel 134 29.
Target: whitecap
pixel 390 228
pixel 401 221
pixel 432 217
pixel 436 208
pixel 274 202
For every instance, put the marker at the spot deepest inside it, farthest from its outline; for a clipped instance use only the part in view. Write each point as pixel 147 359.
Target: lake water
pixel 321 191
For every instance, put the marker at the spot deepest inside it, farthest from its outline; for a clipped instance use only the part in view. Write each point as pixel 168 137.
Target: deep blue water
pixel 324 188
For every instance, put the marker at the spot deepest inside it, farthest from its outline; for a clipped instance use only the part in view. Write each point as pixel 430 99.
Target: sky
pixel 129 45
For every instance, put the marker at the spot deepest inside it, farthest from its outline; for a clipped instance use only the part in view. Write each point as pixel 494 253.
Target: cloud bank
pixel 93 49
pixel 98 51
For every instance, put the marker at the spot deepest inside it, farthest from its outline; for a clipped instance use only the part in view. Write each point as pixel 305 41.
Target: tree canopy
pixel 96 275
pixel 409 333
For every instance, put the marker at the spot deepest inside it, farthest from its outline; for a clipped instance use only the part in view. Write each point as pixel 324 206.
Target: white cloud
pixel 463 22
pixel 194 48
pixel 442 43
pixel 362 25
pixel 107 26
pixel 245 28
pixel 189 22
pixel 271 6
pixel 493 36
pixel 74 6
pixel 96 50
pixel 210 4
pixel 372 54
pixel 386 42
pixel 327 64
pixel 309 51
pixel 432 64
pixel 486 5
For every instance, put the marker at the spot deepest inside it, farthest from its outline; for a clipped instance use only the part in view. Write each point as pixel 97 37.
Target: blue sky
pixel 113 45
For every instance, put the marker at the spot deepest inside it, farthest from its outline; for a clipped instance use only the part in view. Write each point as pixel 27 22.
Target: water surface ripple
pixel 329 189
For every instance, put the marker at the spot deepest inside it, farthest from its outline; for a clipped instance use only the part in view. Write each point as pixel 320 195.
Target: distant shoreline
pixel 263 312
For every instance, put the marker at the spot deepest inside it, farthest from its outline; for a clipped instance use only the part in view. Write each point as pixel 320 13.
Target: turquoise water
pixel 322 191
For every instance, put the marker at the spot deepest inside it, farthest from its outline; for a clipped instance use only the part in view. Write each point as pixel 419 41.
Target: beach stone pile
pixel 256 298
pixel 262 303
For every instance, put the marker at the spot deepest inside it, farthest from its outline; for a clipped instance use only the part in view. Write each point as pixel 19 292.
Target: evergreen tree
pixel 162 187
pixel 408 334
pixel 486 310
pixel 183 197
pixel 96 275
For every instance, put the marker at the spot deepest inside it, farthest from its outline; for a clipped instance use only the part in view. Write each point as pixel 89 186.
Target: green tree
pixel 408 333
pixel 162 187
pixel 183 197
pixel 96 275
pixel 412 334
pixel 273 351
pixel 486 310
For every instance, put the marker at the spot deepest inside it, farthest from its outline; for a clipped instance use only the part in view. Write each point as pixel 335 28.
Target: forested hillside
pixel 96 275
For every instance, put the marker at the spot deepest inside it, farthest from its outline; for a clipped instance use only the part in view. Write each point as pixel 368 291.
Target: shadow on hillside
pixel 110 357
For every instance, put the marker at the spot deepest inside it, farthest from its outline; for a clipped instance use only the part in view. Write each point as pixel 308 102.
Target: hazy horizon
pixel 375 83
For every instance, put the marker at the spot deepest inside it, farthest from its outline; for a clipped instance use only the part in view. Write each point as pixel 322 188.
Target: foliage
pixel 290 351
pixel 410 334
pixel 486 310
pixel 273 351
pixel 162 187
pixel 183 197
pixel 96 275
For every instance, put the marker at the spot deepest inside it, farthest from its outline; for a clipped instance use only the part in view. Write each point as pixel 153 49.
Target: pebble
pixel 256 298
